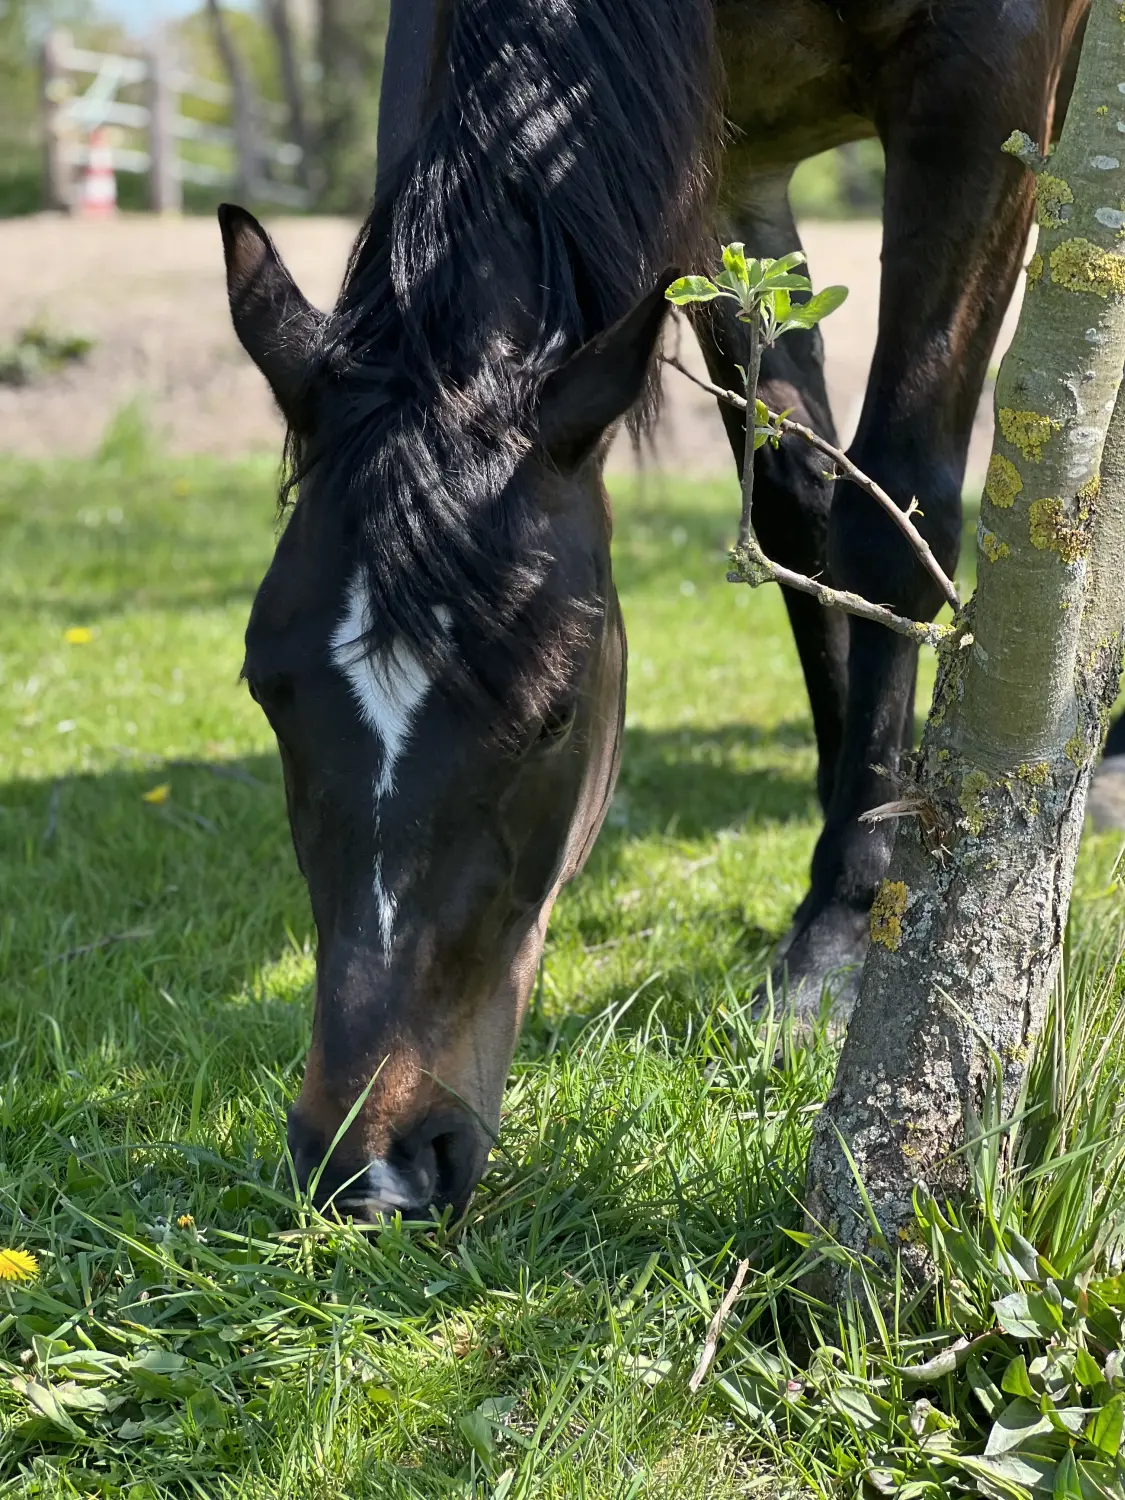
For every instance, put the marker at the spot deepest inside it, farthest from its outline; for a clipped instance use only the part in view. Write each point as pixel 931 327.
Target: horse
pixel 437 642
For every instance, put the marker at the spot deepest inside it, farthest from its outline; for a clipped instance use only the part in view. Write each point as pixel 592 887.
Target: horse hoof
pixel 1105 805
pixel 817 968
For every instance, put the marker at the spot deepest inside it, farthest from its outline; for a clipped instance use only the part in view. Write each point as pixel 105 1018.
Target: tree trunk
pixel 248 147
pixel 277 15
pixel 351 34
pixel 967 929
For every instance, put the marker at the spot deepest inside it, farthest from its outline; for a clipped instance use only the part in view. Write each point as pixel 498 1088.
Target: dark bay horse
pixel 437 642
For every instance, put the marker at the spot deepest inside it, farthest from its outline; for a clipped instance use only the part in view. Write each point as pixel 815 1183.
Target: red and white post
pixel 97 189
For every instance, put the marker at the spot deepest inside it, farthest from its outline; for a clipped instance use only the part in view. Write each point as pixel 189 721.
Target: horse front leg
pixel 792 493
pixel 956 215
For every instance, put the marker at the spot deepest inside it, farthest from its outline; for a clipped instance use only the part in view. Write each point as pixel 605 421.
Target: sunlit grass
pixel 191 1331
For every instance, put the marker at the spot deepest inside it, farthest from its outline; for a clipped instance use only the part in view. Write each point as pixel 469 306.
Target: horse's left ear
pixel 274 321
pixel 598 385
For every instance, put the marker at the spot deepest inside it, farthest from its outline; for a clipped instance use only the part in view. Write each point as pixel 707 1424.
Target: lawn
pixel 194 1330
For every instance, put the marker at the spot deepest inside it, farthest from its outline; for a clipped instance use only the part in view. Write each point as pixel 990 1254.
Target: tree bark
pixel 967 929
pixel 247 138
pixel 351 39
pixel 280 24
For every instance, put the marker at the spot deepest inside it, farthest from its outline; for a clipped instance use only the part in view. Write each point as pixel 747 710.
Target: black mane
pixel 565 168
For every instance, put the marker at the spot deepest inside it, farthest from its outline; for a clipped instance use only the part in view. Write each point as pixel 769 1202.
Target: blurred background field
pixel 141 295
pixel 329 110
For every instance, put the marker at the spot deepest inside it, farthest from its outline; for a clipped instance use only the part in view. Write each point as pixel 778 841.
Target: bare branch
pixel 711 1344
pixel 752 566
pixel 245 107
pixel 900 517
pixel 753 369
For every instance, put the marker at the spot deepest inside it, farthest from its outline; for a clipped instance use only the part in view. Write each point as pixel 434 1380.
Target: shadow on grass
pixel 688 783
pixel 97 606
pixel 117 909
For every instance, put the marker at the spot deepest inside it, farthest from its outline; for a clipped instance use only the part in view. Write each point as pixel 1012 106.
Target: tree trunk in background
pixel 278 17
pixel 248 145
pixel 968 927
pixel 351 38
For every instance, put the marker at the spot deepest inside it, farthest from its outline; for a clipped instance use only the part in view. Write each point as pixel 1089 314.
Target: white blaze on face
pixel 388 691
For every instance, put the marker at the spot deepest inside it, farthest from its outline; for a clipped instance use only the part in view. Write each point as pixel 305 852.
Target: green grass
pixel 156 963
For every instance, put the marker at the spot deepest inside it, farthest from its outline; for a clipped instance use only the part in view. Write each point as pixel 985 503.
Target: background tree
pixel 23 26
pixel 245 107
pixel 350 40
pixel 293 75
pixel 967 929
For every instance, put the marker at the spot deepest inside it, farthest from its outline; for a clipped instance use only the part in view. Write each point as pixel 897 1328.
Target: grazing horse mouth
pixel 435 1167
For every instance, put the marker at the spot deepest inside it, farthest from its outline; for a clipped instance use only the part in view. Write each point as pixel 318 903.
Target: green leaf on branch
pixel 734 264
pixel 789 283
pixel 692 289
pixel 811 312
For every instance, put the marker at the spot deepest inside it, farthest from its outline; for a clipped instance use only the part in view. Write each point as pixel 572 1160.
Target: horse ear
pixel 275 323
pixel 598 385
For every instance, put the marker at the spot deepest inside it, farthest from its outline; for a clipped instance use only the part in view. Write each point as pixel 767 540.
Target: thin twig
pixel 711 1345
pixel 900 517
pixel 753 370
pixel 755 568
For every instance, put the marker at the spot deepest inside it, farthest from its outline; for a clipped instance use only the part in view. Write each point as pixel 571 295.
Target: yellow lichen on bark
pixel 1052 195
pixel 1036 773
pixel 1051 531
pixel 1034 269
pixel 973 786
pixel 1028 431
pixel 1002 483
pixel 1089 493
pixel 992 547
pixel 1081 266
pixel 887 912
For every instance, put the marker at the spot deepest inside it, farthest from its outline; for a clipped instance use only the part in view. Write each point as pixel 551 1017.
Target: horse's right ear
pixel 275 323
pixel 596 386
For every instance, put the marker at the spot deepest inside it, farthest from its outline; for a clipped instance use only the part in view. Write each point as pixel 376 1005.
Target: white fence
pixel 81 94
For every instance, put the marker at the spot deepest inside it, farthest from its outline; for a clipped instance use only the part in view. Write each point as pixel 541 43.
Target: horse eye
pixel 275 691
pixel 557 724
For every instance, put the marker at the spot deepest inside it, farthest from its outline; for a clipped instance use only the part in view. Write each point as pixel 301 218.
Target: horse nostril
pixel 435 1165
pixel 456 1154
pixel 445 1153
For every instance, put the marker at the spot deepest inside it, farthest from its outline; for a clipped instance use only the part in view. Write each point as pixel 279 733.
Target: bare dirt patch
pixel 151 293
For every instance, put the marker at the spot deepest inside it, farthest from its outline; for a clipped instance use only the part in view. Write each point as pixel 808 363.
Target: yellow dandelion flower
pixel 157 795
pixel 181 488
pixel 18 1265
pixel 78 635
pixel 185 1221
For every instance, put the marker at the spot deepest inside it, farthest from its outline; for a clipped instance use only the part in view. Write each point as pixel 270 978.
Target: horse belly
pixel 792 88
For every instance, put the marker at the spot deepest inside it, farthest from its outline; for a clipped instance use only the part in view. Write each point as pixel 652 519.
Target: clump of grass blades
pixel 36 352
pixel 1005 1375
